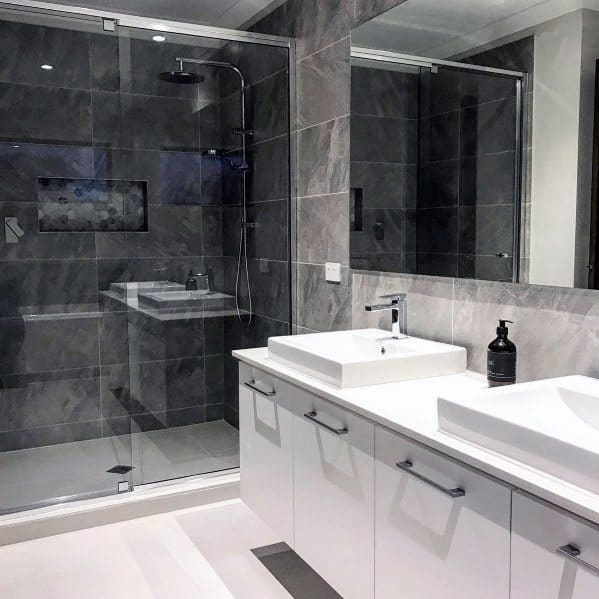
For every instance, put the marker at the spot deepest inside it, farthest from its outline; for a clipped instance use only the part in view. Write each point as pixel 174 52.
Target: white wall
pixel 555 131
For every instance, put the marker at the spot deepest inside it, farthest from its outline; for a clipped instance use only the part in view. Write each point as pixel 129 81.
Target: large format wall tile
pixel 323 158
pixel 26 47
pixel 323 306
pixel 430 302
pixel 377 92
pixel 268 107
pixel 571 315
pixel 323 83
pixel 20 165
pixel 269 178
pixel 382 139
pixel 385 185
pixel 323 228
pixel 45 115
pixel 45 343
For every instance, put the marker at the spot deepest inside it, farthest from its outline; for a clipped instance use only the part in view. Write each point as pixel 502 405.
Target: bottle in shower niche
pixel 501 358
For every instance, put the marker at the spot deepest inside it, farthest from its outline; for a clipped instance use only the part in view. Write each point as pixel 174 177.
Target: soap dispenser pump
pixel 501 358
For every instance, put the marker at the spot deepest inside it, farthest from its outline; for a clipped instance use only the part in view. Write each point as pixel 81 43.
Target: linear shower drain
pixel 120 469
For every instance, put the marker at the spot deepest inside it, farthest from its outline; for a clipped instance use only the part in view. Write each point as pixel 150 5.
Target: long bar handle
pixel 572 553
pixel 313 417
pixel 252 385
pixel 407 466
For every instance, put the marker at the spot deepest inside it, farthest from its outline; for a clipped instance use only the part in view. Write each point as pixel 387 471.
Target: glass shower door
pixel 206 123
pixel 64 426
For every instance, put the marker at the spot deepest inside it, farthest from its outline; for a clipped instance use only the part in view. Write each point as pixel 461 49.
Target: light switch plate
pixel 333 272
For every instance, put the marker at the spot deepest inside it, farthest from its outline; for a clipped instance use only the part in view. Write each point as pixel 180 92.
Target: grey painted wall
pixel 557 330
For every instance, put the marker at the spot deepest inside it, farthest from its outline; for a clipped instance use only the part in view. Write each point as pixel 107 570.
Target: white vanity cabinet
pixel 441 530
pixel 334 494
pixel 554 555
pixel 266 444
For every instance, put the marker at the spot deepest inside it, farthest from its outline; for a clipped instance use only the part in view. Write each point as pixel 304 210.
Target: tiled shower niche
pixel 80 205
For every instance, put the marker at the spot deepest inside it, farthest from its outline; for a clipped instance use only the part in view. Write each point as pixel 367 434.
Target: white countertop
pixel 410 408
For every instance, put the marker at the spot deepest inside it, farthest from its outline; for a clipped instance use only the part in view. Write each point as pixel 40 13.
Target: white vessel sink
pixel 551 425
pixel 366 357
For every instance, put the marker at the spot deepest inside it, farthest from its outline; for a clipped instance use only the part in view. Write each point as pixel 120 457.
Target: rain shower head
pixel 181 76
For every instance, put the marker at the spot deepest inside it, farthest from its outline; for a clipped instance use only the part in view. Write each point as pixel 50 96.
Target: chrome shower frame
pixel 243 254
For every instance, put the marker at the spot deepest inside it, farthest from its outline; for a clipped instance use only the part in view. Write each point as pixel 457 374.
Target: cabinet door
pixel 539 567
pixel 333 494
pixel 266 444
pixel 441 529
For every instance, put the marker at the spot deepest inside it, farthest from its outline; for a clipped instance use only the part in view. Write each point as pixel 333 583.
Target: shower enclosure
pixel 145 194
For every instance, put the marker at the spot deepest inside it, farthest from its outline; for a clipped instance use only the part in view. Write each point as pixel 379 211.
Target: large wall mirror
pixel 474 146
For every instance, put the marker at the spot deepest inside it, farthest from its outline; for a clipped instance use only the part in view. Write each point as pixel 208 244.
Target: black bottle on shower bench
pixel 501 358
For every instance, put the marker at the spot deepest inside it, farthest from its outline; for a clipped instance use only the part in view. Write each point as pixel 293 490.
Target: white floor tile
pixel 199 553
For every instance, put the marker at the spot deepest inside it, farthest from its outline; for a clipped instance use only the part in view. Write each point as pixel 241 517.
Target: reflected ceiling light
pixel 160 27
pixel 46 67
pixel 159 38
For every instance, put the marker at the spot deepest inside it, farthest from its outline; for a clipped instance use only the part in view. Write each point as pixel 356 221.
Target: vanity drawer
pixel 334 494
pixel 542 538
pixel 441 529
pixel 265 445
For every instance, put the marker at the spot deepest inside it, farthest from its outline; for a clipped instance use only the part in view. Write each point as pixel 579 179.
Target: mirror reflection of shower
pixel 181 76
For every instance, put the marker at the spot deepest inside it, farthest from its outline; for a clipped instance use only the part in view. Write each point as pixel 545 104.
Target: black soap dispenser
pixel 501 358
pixel 191 284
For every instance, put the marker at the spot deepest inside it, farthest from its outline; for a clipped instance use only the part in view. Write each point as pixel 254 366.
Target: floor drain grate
pixel 120 469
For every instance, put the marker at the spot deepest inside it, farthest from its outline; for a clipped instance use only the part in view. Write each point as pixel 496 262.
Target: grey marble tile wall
pixel 555 329
pixel 68 355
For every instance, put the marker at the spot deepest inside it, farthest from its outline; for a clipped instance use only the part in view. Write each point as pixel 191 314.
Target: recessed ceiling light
pixel 47 67
pixel 159 38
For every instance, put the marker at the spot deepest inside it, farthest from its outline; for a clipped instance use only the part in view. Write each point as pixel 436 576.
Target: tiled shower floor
pixel 31 476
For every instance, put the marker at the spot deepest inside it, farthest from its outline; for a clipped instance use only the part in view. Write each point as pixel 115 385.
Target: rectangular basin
pixel 186 300
pixel 131 290
pixel 366 357
pixel 550 425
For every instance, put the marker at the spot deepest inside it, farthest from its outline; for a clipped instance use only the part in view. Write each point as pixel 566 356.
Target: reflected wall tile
pixel 477 88
pixel 323 85
pixel 440 184
pixel 444 141
pixel 385 185
pixel 104 62
pixel 488 128
pixel 442 265
pixel 115 391
pixel 486 230
pixel 487 179
pixel 490 268
pixel 214 380
pixel 323 229
pixel 323 158
pixel 430 302
pixel 323 306
pixel 377 92
pixel 438 230
pixel 381 139
pixel 114 338
pixel 45 115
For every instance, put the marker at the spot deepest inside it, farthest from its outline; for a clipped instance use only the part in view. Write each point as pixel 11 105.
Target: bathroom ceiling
pixel 219 13
pixel 440 29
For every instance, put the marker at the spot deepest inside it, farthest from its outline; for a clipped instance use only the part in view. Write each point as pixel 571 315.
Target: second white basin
pixel 551 425
pixel 366 357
